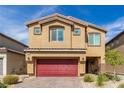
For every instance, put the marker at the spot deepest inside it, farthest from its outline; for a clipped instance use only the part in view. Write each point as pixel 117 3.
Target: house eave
pixel 4 50
pixel 55 50
pixel 68 18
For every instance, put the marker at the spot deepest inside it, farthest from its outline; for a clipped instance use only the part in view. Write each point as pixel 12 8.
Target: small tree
pixel 114 58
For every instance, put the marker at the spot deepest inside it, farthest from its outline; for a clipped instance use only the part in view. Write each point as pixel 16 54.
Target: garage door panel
pixel 42 67
pixel 57 67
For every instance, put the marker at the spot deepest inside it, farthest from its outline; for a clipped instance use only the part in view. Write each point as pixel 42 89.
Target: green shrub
pixel 109 76
pixel 89 78
pixel 2 85
pixel 10 79
pixel 100 79
pixel 117 78
pixel 105 77
pixel 121 85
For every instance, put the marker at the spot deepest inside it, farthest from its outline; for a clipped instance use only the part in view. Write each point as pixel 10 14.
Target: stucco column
pixel 30 67
pixel 81 66
pixel 30 64
pixel 102 65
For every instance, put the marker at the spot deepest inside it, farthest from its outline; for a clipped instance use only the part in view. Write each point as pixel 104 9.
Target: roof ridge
pixel 69 18
pixel 115 37
pixel 88 23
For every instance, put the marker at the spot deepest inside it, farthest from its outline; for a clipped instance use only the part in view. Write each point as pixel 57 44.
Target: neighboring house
pixel 64 46
pixel 12 57
pixel 117 43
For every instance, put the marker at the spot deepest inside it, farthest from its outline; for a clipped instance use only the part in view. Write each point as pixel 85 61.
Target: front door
pixel 1 66
pixel 92 65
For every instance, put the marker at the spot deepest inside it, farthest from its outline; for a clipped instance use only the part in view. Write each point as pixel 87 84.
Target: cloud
pixel 5 11
pixel 13 26
pixel 10 26
pixel 114 28
pixel 45 10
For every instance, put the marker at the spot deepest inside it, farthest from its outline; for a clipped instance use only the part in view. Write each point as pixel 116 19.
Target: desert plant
pixel 100 79
pixel 114 58
pixel 89 78
pixel 2 85
pixel 117 78
pixel 121 85
pixel 105 77
pixel 10 79
pixel 109 76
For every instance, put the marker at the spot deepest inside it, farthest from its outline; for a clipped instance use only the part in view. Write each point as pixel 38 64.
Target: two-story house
pixel 116 43
pixel 12 56
pixel 64 46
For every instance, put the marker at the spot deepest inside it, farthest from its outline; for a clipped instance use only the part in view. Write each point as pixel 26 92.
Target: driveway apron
pixel 50 82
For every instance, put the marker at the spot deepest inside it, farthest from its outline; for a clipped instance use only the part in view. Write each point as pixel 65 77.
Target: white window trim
pixel 94 36
pixel 35 31
pixel 57 40
pixel 76 34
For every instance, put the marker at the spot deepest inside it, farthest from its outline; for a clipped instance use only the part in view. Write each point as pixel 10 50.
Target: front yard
pixel 107 83
pixel 87 81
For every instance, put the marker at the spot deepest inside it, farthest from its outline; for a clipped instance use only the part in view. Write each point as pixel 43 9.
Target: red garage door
pixel 57 67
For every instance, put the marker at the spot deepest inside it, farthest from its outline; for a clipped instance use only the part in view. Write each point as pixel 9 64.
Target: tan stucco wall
pixel 31 61
pixel 53 54
pixel 98 51
pixel 31 65
pixel 70 41
pixel 15 62
pixel 79 41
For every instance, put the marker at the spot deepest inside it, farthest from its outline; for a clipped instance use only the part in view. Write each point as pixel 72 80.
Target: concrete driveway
pixel 50 82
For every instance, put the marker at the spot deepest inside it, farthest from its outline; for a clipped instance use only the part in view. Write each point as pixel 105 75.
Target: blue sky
pixel 13 18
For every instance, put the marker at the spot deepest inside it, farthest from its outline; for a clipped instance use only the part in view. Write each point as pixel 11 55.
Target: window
pixel 94 39
pixel 37 30
pixel 76 32
pixel 57 34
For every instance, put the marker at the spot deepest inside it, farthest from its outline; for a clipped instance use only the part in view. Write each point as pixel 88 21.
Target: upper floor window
pixel 57 34
pixel 37 30
pixel 94 39
pixel 77 31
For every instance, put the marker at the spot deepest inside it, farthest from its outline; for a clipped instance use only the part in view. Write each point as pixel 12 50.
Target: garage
pixel 57 67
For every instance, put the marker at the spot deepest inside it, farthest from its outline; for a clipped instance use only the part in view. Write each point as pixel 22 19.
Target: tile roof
pixel 70 18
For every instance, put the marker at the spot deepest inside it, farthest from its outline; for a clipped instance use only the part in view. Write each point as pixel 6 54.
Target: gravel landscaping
pixel 108 84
